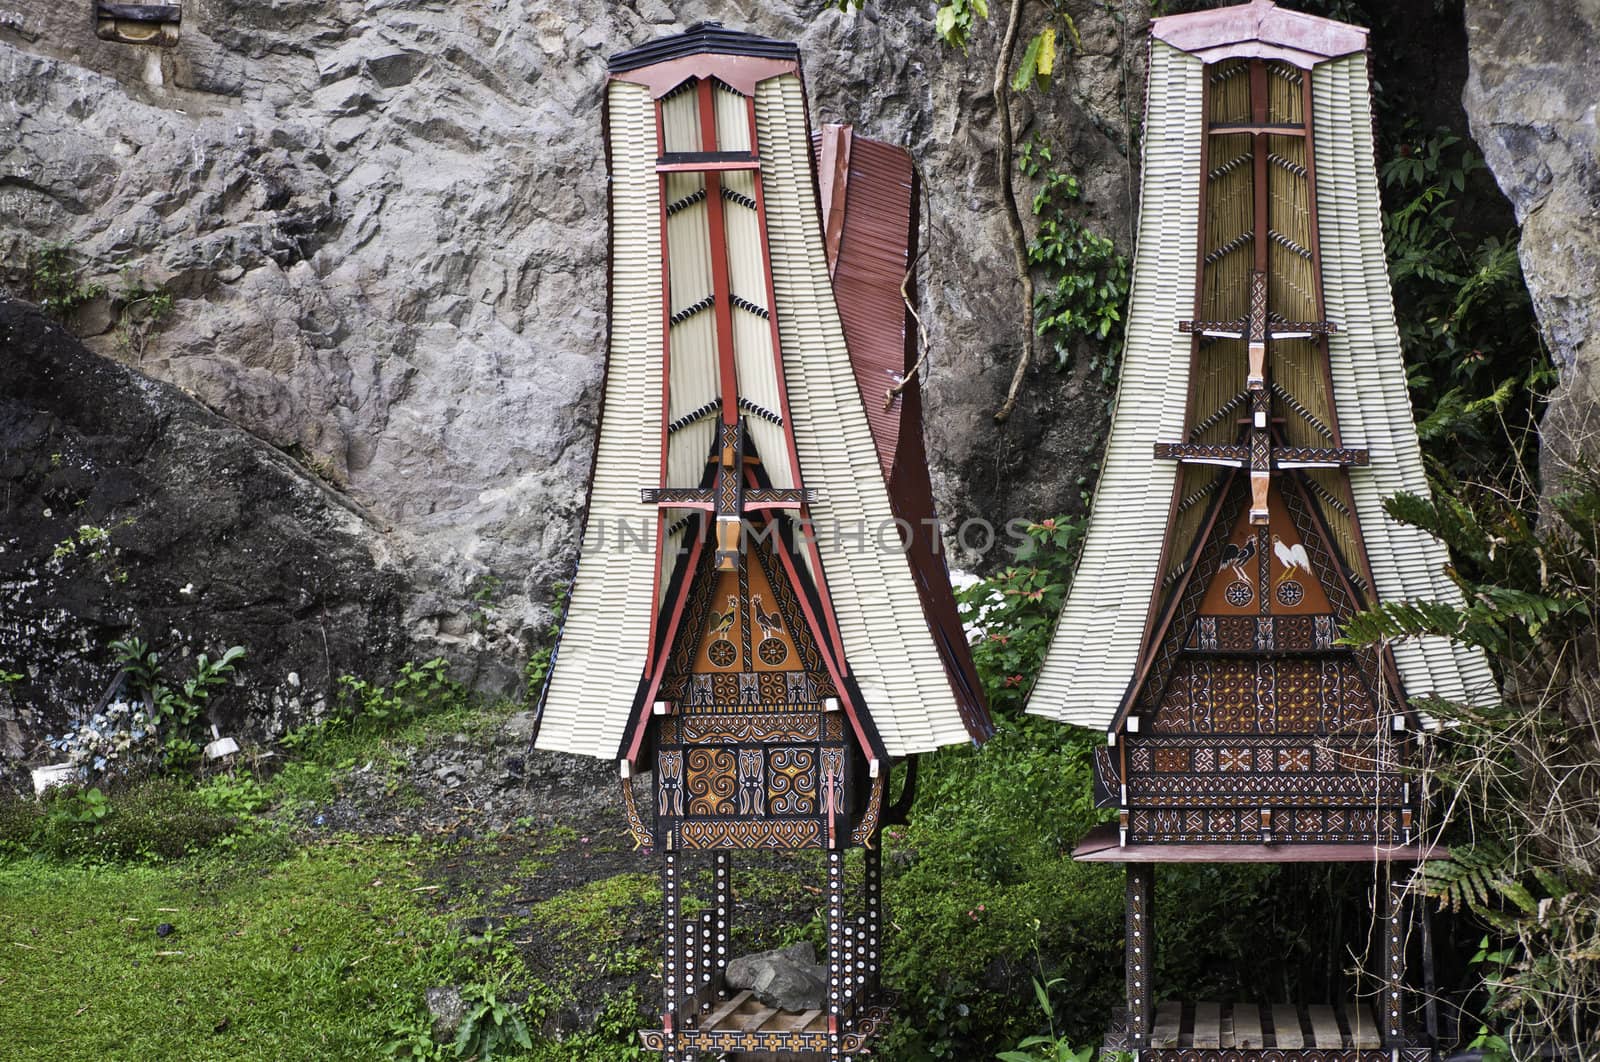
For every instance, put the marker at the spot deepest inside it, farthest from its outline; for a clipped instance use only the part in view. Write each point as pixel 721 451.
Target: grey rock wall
pixel 384 225
pixel 1531 98
pixel 128 509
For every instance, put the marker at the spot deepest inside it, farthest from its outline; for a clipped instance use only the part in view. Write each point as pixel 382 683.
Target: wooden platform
pixel 742 1012
pixel 1248 1026
pixel 741 1023
pixel 1100 845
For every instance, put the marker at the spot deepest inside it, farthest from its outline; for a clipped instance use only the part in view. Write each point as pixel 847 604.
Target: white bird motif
pixel 1291 557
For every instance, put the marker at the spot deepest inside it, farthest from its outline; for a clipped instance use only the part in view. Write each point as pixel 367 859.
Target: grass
pixel 311 957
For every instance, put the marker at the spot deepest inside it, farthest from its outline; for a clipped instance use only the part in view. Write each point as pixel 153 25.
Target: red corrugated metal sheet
pixel 876 245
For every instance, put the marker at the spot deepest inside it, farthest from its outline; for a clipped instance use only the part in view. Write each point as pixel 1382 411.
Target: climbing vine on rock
pixel 954 22
pixel 1085 285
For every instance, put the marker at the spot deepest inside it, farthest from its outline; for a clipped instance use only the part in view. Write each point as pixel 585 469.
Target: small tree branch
pixel 1019 236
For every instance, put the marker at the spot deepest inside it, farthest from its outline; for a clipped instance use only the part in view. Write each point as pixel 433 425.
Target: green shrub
pixel 981 877
pixel 162 818
pixel 420 689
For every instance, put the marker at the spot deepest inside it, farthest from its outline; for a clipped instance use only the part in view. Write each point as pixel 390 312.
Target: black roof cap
pixel 700 39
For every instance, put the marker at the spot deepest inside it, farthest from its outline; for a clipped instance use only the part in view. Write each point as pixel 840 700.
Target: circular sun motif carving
pixel 1238 593
pixel 772 651
pixel 1290 593
pixel 722 653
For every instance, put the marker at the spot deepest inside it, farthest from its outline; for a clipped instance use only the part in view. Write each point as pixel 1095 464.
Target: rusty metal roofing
pixel 872 230
pixel 1259 30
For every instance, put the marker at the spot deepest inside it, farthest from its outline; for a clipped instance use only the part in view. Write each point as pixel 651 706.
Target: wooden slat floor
pixel 1280 1026
pixel 742 1012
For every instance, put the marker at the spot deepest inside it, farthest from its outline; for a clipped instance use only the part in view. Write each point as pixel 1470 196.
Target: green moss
pixel 591 909
pixel 164 818
pixel 313 957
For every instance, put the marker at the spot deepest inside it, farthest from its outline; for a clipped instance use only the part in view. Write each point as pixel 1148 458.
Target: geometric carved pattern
pixel 761 833
pixel 861 1030
pixel 1240 695
pixel 1351 1054
pixel 1242 826
pixel 1136 941
pixel 748 729
pixel 869 819
pixel 1262 634
pixel 1271 787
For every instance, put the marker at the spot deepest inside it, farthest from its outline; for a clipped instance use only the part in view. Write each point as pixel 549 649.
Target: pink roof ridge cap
pixel 1224 32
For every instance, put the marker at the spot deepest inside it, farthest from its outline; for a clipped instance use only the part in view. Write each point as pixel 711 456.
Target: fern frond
pixel 1467 878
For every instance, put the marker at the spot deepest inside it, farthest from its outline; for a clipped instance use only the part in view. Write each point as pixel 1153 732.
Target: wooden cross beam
pixel 705 497
pixel 1258 328
pixel 1237 455
pixel 1239 327
pixel 1262 459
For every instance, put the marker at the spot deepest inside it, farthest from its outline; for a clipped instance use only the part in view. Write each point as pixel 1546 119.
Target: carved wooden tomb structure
pixel 745 627
pixel 1261 420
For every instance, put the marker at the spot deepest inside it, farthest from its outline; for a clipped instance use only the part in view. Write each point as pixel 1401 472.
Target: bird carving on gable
pixel 1292 558
pixel 723 622
pixel 1236 557
pixel 771 623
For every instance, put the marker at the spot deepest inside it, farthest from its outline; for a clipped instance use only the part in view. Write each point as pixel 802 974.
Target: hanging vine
pixel 1087 280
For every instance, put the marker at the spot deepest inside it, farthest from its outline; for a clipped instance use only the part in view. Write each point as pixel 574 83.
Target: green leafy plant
pixel 953 21
pixel 1474 361
pixel 83 806
pixel 483 591
pixel 489 1025
pixel 176 710
pixel 1522 776
pixel 1048 1046
pixel 1016 609
pixel 419 689
pixel 411 1039
pixel 538 665
pixel 143 310
pixel 56 282
pixel 1084 282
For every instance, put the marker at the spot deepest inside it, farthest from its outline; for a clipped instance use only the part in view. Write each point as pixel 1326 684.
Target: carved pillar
pixel 1137 953
pixel 874 876
pixel 1394 963
pixel 835 953
pixel 723 885
pixel 673 973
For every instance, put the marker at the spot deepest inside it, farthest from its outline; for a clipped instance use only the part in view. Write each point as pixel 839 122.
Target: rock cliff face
pixel 129 509
pixel 1531 99
pixel 383 224
pixel 383 227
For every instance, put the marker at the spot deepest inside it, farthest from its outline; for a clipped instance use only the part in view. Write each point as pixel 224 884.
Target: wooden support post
pixel 690 1008
pixel 874 874
pixel 673 972
pixel 723 885
pixel 1394 965
pixel 1136 949
pixel 835 954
